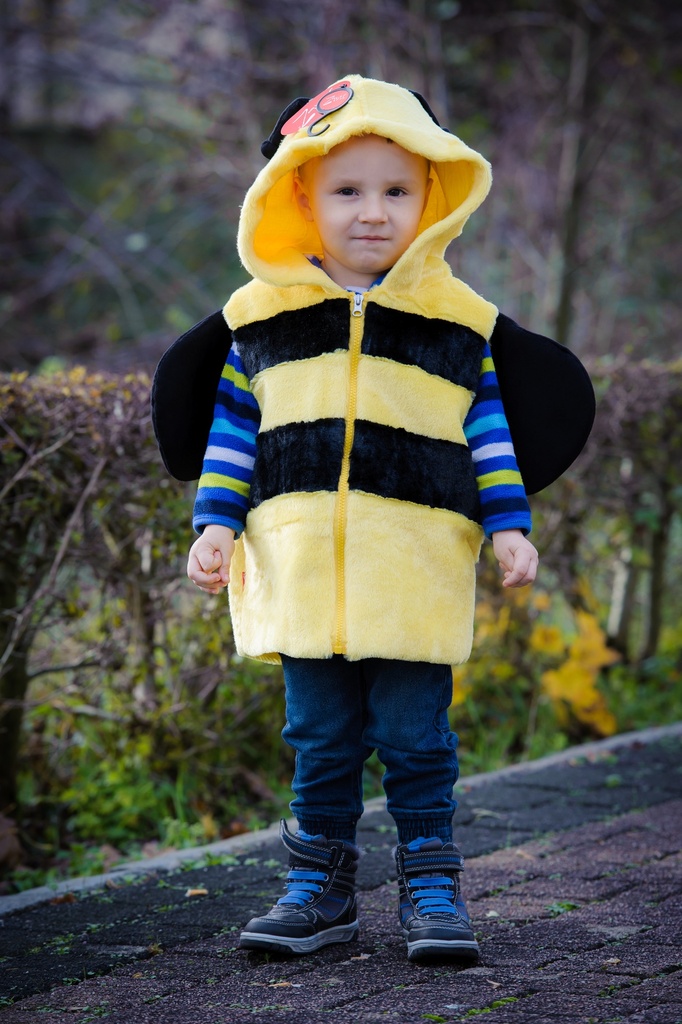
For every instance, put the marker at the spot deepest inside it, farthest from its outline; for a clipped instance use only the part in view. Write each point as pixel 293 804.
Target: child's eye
pixel 396 191
pixel 347 191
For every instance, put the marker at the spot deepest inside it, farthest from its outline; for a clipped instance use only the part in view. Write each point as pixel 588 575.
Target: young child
pixel 358 454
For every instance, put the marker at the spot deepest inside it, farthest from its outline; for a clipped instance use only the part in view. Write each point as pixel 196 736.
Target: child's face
pixel 366 198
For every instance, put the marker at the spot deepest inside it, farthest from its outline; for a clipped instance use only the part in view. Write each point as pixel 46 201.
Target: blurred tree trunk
pixel 572 179
pixel 660 537
pixel 13 683
pixel 427 38
pixel 624 595
pixel 49 12
pixel 141 609
pixel 7 64
pixel 573 536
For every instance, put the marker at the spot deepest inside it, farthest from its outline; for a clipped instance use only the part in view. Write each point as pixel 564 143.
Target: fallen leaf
pixel 153 848
pixel 68 897
pixel 111 884
pixel 492 913
pixel 481 812
pixel 110 855
pixel 197 892
pixel 495 984
pixel 362 956
pixel 612 961
pixel 522 853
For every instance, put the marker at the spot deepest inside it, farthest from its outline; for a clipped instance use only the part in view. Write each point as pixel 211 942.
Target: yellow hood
pixel 274 238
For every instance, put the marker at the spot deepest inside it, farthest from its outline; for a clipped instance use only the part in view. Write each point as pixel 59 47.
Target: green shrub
pixel 126 715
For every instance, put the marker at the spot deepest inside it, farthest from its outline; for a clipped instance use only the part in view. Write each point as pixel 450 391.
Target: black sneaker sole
pixel 287 944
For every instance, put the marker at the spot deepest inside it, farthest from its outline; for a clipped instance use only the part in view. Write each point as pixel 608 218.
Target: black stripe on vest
pixel 387 461
pixel 294 334
pixel 449 350
pixel 298 457
pixel 395 463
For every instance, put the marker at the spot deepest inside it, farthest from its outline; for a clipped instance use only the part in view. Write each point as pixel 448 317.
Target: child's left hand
pixel 517 557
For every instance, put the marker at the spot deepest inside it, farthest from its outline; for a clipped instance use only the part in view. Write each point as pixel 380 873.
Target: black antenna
pixel 272 143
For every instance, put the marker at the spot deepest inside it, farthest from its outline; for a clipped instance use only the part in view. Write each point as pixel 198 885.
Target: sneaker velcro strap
pixel 328 856
pixel 436 906
pixel 315 876
pixel 309 851
pixel 446 861
pixel 417 883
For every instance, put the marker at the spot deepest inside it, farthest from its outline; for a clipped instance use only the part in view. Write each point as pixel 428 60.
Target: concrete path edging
pixel 176 859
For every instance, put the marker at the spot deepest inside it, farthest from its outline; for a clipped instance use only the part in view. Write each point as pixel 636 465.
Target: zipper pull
pixel 357 303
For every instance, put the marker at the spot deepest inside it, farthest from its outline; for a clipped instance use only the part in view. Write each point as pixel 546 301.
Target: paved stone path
pixel 573 879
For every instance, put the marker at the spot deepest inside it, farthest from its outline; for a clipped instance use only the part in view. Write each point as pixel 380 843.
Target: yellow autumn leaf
pixel 599 717
pixel 493 627
pixel 520 597
pixel 503 620
pixel 503 670
pixel 585 591
pixel 210 826
pixel 590 648
pixel 547 640
pixel 574 685
pixel 570 682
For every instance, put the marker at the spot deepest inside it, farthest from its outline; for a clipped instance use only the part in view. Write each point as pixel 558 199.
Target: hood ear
pixel 271 144
pixel 427 108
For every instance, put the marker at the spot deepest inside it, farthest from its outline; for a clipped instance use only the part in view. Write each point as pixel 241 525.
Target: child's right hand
pixel 209 559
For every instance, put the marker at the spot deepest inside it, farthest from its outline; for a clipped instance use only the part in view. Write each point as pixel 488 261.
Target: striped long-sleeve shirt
pixel 225 482
pixel 223 493
pixel 504 505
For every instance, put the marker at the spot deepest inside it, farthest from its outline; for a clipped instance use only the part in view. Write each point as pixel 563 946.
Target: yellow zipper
pixel 356 329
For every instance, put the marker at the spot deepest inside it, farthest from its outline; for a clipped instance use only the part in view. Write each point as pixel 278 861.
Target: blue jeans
pixel 339 712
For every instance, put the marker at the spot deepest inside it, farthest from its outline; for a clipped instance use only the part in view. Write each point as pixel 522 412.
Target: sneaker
pixel 319 906
pixel 432 911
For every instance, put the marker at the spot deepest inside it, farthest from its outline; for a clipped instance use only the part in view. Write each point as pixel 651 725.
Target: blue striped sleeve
pixel 225 482
pixel 504 505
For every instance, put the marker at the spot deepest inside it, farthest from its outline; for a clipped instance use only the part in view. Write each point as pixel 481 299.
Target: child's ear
pixel 302 198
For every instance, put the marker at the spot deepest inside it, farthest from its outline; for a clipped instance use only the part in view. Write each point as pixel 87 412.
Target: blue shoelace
pixel 302 886
pixel 431 899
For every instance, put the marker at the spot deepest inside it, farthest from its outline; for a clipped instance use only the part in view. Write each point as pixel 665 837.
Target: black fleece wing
pixel 546 391
pixel 548 399
pixel 183 395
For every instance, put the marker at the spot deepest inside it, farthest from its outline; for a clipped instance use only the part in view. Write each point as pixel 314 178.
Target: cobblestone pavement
pixel 573 879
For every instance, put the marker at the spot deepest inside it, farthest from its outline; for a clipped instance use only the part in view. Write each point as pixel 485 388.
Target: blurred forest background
pixel 130 133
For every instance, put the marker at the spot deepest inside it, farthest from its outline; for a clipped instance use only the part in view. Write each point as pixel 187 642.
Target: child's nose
pixel 373 210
